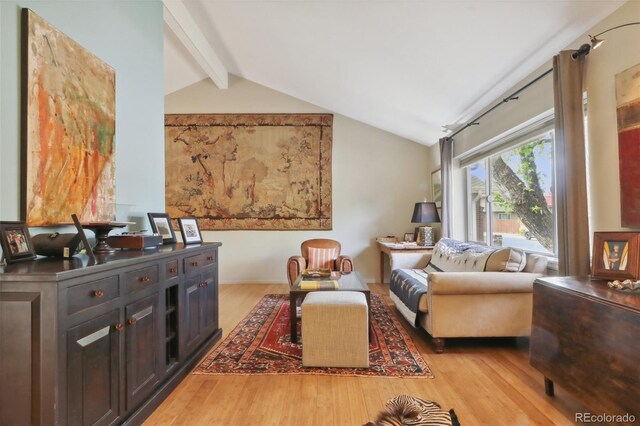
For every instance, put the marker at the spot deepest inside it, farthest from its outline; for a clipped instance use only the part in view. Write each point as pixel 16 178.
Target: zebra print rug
pixel 410 410
pixel 261 344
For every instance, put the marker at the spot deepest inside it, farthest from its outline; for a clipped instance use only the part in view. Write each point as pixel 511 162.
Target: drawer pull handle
pixel 173 270
pixel 209 257
pixel 98 293
pixel 144 279
pixel 119 326
pixel 132 321
pixel 194 263
pixel 203 284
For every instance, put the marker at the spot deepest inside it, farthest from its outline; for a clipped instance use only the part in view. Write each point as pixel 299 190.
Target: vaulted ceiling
pixel 407 67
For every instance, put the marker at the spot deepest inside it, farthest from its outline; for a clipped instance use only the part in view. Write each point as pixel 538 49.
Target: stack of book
pixel 319 285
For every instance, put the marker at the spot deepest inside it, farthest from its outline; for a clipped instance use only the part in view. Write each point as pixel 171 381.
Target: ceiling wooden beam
pixel 180 21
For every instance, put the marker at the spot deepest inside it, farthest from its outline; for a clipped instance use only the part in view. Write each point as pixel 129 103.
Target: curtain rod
pixel 511 97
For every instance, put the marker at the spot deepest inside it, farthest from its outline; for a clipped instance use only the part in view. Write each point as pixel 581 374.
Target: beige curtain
pixel 446 158
pixel 571 176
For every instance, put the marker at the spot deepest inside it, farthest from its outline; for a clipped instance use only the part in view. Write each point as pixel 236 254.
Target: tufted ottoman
pixel 335 329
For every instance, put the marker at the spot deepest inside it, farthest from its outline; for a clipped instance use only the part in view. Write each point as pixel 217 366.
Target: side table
pixel 388 248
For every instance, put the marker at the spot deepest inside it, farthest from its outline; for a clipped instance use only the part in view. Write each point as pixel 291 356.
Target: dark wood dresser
pixel 586 338
pixel 103 344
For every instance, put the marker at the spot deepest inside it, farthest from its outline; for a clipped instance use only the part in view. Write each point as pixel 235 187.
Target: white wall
pixel 621 51
pixel 377 178
pixel 127 36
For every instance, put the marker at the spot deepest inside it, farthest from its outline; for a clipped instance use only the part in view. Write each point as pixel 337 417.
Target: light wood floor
pixel 486 381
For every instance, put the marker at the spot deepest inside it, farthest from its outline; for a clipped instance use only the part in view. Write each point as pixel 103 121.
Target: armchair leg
pixel 439 344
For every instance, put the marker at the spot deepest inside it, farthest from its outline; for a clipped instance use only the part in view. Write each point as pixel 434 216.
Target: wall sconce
pixel 596 42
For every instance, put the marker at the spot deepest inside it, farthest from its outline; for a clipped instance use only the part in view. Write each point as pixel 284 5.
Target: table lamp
pixel 425 213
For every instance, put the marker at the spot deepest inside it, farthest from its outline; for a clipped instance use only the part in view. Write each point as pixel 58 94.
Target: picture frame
pixel 85 240
pixel 190 230
pixel 161 224
pixel 409 237
pixel 247 146
pixel 62 170
pixel 615 255
pixel 436 188
pixel 15 240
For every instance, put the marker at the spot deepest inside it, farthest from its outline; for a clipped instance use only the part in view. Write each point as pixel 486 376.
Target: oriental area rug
pixel 261 344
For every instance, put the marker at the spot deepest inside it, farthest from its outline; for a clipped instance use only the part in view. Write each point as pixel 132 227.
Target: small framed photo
pixel 161 224
pixel 615 255
pixel 190 230
pixel 16 242
pixel 409 237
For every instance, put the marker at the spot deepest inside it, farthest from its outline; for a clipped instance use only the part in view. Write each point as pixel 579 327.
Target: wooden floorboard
pixel 486 381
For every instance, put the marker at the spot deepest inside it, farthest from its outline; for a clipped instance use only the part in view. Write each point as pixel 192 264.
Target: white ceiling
pixel 407 67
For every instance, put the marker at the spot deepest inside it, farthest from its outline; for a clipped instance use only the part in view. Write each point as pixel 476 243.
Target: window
pixel 510 191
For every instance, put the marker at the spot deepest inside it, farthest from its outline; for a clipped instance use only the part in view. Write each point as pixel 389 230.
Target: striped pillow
pixel 322 257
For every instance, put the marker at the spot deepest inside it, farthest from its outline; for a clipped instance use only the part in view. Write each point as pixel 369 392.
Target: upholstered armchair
pixel 318 253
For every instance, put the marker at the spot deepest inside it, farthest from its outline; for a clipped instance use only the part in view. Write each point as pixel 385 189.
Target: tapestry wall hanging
pixel 249 171
pixel 68 128
pixel 628 112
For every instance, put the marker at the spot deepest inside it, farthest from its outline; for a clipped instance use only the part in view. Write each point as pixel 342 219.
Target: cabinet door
pixel 209 316
pixel 193 308
pixel 93 373
pixel 142 348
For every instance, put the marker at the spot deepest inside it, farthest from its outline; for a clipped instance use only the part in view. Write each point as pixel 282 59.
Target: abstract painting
pixel 249 171
pixel 628 112
pixel 68 128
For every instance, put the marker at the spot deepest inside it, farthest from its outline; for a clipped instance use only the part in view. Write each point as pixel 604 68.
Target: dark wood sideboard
pixel 106 343
pixel 586 338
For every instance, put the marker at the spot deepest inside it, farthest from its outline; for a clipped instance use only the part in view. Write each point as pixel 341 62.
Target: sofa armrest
pixel 409 260
pixel 344 264
pixel 452 283
pixel 295 266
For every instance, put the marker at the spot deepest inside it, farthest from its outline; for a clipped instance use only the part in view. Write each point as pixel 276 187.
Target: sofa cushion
pixel 458 256
pixel 322 257
pixel 507 259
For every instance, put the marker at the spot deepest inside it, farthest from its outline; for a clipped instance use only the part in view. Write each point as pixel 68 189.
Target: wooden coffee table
pixel 351 281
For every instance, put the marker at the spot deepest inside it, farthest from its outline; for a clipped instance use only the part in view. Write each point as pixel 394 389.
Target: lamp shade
pixel 425 213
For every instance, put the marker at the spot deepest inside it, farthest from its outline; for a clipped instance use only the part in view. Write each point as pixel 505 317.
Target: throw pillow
pixel 321 257
pixel 507 259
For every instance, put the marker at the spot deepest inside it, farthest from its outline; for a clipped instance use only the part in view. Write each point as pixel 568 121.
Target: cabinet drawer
pixel 195 262
pixel 171 269
pixel 141 278
pixel 91 294
pixel 209 257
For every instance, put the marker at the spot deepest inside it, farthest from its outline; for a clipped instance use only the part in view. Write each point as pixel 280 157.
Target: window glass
pixel 477 190
pixel 520 211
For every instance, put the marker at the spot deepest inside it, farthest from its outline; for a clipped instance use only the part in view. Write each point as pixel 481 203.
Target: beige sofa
pixel 466 290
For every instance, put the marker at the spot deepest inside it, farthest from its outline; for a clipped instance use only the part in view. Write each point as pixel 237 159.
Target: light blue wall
pixel 1 156
pixel 128 36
